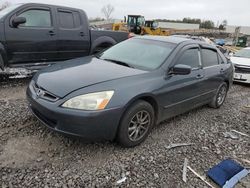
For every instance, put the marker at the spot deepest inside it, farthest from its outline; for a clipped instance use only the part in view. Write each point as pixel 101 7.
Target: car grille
pixel 42 93
pixel 242 69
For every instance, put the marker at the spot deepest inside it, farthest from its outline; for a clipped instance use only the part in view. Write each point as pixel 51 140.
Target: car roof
pixel 170 39
pixel 176 40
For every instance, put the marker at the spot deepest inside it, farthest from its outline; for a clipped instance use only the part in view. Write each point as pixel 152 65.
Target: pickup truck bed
pixel 106 38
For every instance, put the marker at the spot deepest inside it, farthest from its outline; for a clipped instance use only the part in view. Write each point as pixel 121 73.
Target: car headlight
pixel 91 101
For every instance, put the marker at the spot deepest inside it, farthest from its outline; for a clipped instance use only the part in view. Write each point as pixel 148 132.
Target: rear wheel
pixel 1 63
pixel 220 96
pixel 136 124
pixel 101 48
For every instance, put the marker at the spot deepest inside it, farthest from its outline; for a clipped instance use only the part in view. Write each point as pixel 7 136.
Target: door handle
pixel 81 34
pixel 199 76
pixel 52 33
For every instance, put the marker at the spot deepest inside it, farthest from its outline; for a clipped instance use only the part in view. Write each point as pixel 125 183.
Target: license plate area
pixel 238 76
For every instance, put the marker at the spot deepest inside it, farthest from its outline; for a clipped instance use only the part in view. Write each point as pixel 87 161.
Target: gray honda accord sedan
pixel 121 93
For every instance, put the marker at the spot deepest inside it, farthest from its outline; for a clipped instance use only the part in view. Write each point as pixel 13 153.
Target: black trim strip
pixel 189 99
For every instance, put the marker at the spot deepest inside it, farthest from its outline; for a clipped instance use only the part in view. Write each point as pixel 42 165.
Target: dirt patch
pixel 33 156
pixel 23 151
pixel 13 93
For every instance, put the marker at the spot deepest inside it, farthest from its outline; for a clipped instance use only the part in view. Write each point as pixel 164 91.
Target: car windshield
pixel 8 9
pixel 243 53
pixel 139 53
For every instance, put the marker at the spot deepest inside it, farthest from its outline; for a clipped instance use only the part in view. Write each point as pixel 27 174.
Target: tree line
pixel 108 9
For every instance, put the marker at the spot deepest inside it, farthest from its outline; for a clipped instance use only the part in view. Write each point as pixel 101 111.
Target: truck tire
pixel 101 47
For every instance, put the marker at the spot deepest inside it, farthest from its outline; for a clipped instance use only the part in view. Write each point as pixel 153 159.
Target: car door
pixel 73 34
pixel 33 41
pixel 184 92
pixel 214 68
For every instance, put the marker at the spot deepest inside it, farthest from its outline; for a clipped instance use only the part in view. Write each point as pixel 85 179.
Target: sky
pixel 236 12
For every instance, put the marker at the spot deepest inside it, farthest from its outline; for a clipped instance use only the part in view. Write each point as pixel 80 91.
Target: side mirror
pixel 18 20
pixel 181 69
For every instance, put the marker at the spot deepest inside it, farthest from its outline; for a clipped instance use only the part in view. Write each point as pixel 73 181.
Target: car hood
pixel 65 77
pixel 240 61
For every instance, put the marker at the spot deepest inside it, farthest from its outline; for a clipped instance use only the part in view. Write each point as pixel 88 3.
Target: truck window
pixel 36 18
pixel 69 20
pixel 77 19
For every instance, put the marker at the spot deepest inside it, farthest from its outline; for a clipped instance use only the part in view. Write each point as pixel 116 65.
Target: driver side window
pixel 191 58
pixel 36 18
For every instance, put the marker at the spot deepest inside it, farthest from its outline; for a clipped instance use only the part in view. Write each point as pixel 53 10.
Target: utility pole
pixel 236 35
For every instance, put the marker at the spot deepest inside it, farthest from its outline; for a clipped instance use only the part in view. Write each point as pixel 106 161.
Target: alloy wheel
pixel 221 95
pixel 139 125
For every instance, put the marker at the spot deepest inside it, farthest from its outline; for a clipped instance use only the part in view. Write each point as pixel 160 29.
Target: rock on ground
pixel 33 156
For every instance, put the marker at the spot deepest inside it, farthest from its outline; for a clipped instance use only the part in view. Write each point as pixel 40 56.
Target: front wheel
pixel 136 124
pixel 220 96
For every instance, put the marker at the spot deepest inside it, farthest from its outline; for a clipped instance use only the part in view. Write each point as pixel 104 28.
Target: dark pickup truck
pixel 38 34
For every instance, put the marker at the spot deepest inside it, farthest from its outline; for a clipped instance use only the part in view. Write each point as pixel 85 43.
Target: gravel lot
pixel 33 156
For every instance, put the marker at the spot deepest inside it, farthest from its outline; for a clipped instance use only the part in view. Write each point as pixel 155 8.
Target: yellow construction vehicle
pixel 136 24
pixel 133 24
pixel 151 27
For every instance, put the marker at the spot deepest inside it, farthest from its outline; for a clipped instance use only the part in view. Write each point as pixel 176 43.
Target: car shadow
pixel 12 80
pixel 242 84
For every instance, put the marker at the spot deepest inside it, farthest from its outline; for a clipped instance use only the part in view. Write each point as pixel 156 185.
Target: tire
pixel 101 48
pixel 136 124
pixel 98 50
pixel 220 96
pixel 1 63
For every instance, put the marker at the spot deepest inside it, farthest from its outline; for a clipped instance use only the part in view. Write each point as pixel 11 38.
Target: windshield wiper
pixel 119 62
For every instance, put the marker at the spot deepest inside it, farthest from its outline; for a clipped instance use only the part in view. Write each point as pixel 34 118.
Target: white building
pixel 180 26
pixel 105 22
pixel 243 29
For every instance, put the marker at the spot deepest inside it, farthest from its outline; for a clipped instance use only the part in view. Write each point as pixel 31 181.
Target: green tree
pixel 207 24
pixel 191 20
pixel 224 23
pixel 221 27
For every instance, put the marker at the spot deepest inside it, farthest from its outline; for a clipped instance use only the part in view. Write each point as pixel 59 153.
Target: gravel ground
pixel 33 156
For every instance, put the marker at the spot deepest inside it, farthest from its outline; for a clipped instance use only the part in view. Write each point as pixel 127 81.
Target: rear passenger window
pixel 190 57
pixel 77 19
pixel 66 19
pixel 69 20
pixel 209 58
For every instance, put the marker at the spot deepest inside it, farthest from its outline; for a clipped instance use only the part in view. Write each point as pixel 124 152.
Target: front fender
pixel 141 96
pixel 102 40
pixel 148 97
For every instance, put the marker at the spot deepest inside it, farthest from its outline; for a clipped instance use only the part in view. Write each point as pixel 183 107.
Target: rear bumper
pixel 94 126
